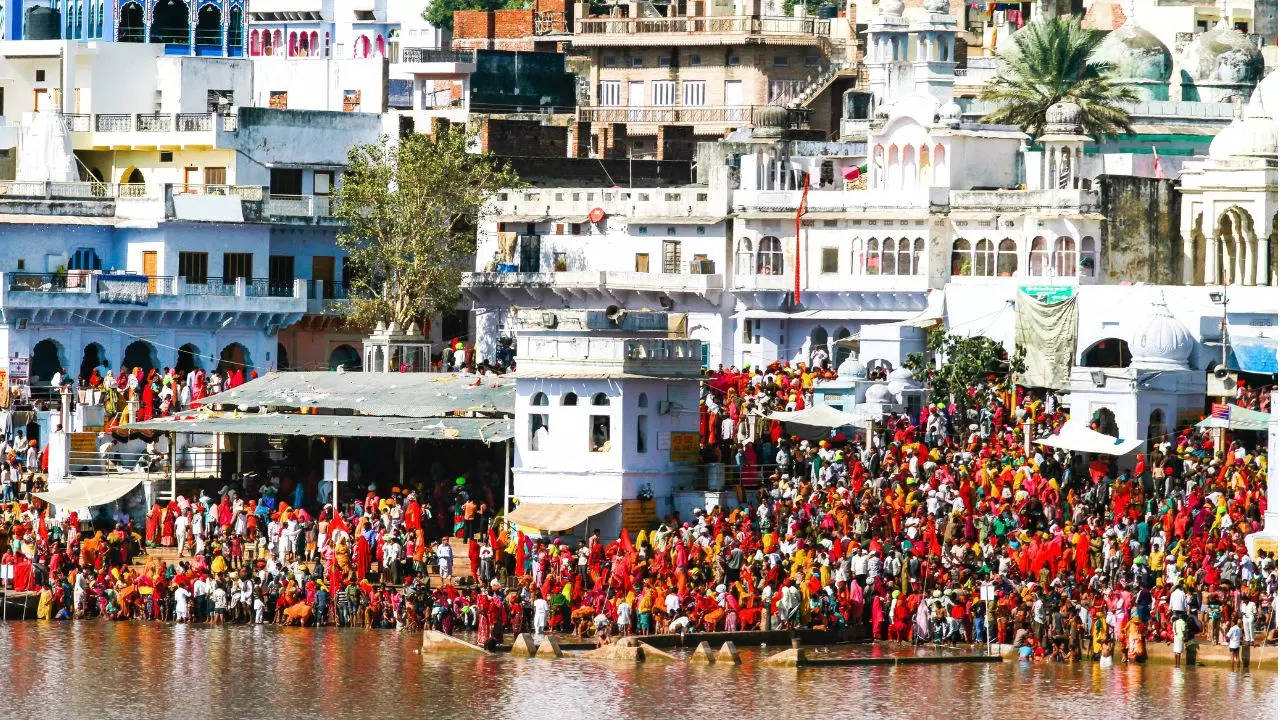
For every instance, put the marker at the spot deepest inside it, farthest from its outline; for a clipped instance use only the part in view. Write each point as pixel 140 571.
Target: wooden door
pixel 322 267
pixel 191 179
pixel 149 261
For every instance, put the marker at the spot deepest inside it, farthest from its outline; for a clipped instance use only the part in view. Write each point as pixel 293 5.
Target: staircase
pixel 817 84
pixel 166 555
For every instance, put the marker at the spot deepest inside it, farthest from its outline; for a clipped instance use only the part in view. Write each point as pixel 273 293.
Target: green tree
pixel 1053 61
pixel 963 363
pixel 440 12
pixel 411 211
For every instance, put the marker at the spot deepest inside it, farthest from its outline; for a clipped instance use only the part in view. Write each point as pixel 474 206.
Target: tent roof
pixel 433 428
pixel 1242 418
pixel 1083 439
pixel 819 416
pixel 556 516
pixel 83 493
pixel 398 394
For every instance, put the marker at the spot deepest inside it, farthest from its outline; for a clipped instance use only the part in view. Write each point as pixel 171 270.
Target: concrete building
pixel 606 414
pixel 210 28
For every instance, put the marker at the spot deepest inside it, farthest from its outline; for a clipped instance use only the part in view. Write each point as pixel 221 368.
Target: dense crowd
pixel 939 527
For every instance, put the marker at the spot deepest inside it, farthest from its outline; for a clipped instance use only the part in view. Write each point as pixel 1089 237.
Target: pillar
pixel 1263 269
pixel 1211 259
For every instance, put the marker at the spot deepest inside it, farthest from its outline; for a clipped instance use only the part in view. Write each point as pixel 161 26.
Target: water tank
pixel 43 23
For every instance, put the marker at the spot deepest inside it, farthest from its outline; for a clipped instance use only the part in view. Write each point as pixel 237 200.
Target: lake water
pixel 99 669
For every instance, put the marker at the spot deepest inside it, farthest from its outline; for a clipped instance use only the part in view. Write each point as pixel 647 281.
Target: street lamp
pixel 1220 298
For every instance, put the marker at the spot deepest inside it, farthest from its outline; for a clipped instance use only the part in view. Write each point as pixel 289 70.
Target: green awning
pixel 1242 418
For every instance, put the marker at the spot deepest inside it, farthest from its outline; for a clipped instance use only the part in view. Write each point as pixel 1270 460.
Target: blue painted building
pixel 211 28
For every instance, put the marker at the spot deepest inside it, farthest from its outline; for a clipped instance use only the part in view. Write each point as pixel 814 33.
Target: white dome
pixel 1222 55
pixel 1160 341
pixel 892 8
pixel 1136 54
pixel 851 368
pixel 950 114
pixel 880 393
pixel 1253 135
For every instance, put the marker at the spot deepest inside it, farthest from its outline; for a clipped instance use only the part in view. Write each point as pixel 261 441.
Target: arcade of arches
pixel 1237 251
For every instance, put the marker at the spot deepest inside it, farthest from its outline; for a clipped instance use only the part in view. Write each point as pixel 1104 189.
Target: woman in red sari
pixel 363 553
pixel 170 515
pixel 153 524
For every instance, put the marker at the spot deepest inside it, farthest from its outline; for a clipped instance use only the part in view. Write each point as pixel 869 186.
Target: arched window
pixel 1006 258
pixel 345 357
pixel 744 258
pixel 293 44
pixel 769 259
pixel 1088 257
pixel 904 256
pixel 1104 421
pixel 304 45
pixel 908 167
pixel 1107 353
pixel 255 43
pixel 926 174
pixel 984 258
pixel 1155 427
pixel 858 259
pixel 642 400
pixel 961 258
pixel 917 252
pixel 570 399
pixel 889 257
pixel 873 256
pixel 539 423
pixel 940 165
pixel 277 42
pixel 268 46
pixel 1064 257
pixel 48 358
pixel 841 353
pixel 315 43
pixel 895 170
pixel 877 166
pixel 327 50
pixel 381 46
pixel 1038 258
pixel 600 399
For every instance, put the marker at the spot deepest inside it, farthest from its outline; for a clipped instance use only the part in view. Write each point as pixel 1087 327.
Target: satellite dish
pixel 596 215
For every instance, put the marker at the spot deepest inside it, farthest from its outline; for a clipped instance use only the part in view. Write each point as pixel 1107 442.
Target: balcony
pixel 634 204
pixel 722 30
pixel 77 295
pixel 702 117
pixel 587 287
pixel 590 356
pixel 433 61
pixel 123 131
pixel 1005 201
pixel 917 200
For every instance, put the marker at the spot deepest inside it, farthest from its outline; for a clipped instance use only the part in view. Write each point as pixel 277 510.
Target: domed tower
pixel 886 60
pixel 1220 64
pixel 934 36
pixel 1063 142
pixel 1160 341
pixel 1140 59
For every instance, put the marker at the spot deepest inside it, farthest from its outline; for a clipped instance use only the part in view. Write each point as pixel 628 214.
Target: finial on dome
pixel 891 8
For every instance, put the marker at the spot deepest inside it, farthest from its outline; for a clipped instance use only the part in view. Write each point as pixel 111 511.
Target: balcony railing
pixel 332 290
pixel 433 55
pixel 73 190
pixel 149 122
pixel 269 287
pixel 729 114
pixel 297 206
pixel 244 192
pixel 134 288
pixel 730 25
pixel 214 286
pixel 74 281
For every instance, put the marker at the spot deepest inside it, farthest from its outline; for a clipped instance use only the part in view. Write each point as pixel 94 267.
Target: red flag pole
pixel 800 211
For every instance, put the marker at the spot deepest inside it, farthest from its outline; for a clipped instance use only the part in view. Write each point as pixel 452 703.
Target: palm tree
pixel 1053 61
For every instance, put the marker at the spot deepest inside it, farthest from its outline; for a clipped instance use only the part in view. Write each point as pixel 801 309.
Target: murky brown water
pixel 106 670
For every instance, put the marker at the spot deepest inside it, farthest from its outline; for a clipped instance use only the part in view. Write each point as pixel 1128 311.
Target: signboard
pixel 19 369
pixel 339 472
pixel 987 592
pixel 1049 293
pixel 639 515
pixel 684 447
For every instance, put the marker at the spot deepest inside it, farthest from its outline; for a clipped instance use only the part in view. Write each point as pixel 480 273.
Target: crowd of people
pixel 157 392
pixel 943 525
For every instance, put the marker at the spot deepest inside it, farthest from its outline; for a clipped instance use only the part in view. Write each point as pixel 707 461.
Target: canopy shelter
pixel 817 421
pixel 555 517
pixel 86 492
pixel 399 394
pixel 1241 418
pixel 1082 439
pixel 419 428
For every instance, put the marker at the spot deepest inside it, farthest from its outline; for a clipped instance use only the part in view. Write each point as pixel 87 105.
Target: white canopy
pixel 816 421
pixel 1081 439
pixel 556 516
pixel 86 492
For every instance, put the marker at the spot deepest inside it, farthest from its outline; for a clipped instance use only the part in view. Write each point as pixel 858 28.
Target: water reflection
pixel 101 669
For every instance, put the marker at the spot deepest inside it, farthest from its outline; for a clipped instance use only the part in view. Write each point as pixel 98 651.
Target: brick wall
pixel 580 140
pixel 512 24
pixel 523 137
pixel 472 24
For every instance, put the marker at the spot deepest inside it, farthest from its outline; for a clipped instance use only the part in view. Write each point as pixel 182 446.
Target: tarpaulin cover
pixel 1252 354
pixel 1083 439
pixel 555 516
pixel 818 416
pixel 1047 334
pixel 84 493
pixel 1242 418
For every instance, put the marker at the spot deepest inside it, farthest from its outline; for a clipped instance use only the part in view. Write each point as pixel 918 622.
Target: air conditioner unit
pixel 549 320
pixel 664 407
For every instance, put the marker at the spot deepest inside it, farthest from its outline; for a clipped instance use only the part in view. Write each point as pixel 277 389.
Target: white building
pixel 606 403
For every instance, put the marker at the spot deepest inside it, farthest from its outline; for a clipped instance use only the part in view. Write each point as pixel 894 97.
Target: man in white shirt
pixel 1178 601
pixel 181 599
